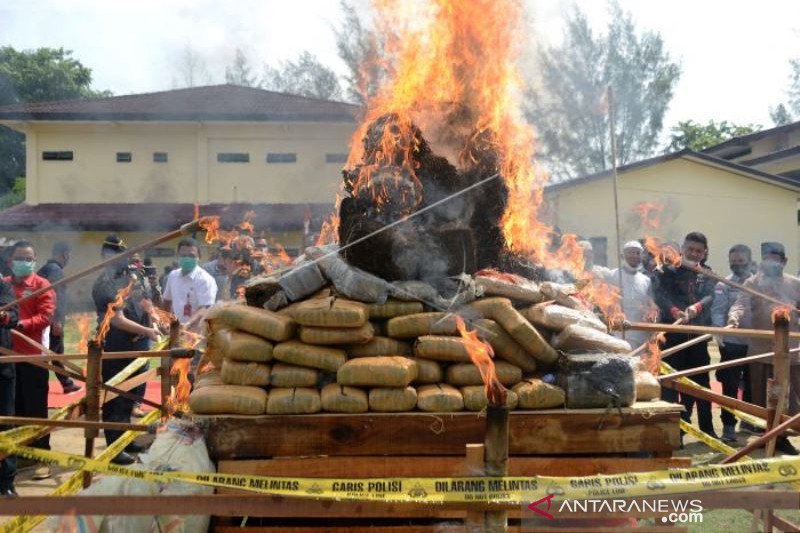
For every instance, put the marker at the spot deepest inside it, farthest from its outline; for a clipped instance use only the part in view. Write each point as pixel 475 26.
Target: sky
pixel 734 53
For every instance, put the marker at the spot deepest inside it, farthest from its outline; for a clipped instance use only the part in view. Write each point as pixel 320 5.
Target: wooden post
pixel 496 453
pixel 475 466
pixel 166 366
pixel 778 391
pixel 94 375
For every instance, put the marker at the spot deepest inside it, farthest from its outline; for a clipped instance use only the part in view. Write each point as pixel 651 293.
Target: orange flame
pixel 247 222
pixel 211 227
pixel 652 360
pixel 606 298
pixel 84 320
pixel 164 318
pixel 111 310
pixel 649 214
pixel 481 354
pixel 782 313
pixel 663 254
pixel 179 396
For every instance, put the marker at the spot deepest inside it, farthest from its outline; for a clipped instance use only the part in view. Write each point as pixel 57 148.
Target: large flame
pixel 179 396
pixel 119 301
pixel 663 254
pixel 481 354
pixel 649 214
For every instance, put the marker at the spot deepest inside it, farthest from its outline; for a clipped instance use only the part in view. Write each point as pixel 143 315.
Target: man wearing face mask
pixel 188 288
pixel 35 315
pixel 772 281
pixel 731 347
pixel 682 294
pixel 131 329
pixel 636 290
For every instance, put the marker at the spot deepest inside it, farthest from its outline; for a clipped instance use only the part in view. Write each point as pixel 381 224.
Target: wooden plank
pixel 531 432
pixel 422 466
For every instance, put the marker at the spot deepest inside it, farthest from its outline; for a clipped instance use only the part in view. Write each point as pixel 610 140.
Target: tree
pixel 689 134
pixel 785 113
pixel 570 110
pixel 360 48
pixel 780 115
pixel 39 75
pixel 191 69
pixel 305 77
pixel 239 72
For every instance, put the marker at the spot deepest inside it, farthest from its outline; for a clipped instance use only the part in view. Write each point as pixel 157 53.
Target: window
pixel 281 158
pixel 159 157
pixel 124 157
pixel 57 156
pixel 233 157
pixel 600 248
pixel 336 158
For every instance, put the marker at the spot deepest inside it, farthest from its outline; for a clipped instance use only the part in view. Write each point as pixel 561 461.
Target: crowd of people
pixel 683 295
pixel 679 294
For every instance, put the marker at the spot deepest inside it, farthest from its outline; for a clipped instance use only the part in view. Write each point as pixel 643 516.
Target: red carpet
pixel 56 398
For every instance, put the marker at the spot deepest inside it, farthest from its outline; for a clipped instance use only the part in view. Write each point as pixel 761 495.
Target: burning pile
pixel 436 261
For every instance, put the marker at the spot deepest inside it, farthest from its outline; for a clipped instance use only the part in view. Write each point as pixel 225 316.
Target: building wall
pixel 772 143
pixel 192 173
pixel 727 207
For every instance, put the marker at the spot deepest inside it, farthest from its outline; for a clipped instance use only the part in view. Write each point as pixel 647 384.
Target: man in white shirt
pixel 636 290
pixel 188 288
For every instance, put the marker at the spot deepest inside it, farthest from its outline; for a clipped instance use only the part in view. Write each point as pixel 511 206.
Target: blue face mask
pixel 22 268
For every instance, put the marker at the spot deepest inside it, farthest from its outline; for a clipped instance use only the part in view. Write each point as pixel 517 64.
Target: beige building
pixel 775 150
pixel 728 202
pixel 138 165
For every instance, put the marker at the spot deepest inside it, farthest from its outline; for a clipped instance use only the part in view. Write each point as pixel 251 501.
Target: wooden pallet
pixel 428 445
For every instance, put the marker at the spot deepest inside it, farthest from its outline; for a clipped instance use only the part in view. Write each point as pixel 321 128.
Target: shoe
pixel 8 492
pixel 70 387
pixel 711 433
pixel 137 412
pixel 134 448
pixel 43 472
pixel 785 447
pixel 729 433
pixel 123 459
pixel 746 427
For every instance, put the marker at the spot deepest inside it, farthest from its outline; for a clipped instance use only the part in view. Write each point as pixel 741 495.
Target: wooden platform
pixel 647 426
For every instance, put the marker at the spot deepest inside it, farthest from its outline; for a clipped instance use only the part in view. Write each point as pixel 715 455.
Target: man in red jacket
pixel 34 319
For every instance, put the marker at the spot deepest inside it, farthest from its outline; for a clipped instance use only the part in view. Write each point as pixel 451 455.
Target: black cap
pixel 114 243
pixel 775 248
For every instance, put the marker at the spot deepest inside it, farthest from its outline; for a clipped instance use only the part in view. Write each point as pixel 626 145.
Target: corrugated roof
pixel 157 217
pixel 211 103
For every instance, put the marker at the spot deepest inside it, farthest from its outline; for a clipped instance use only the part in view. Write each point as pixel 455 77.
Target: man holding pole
pixel 685 296
pixel 35 315
pixel 8 319
pixel 772 281
pixel 731 347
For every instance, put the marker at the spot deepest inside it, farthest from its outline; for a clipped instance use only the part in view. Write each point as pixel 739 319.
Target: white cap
pixel 633 244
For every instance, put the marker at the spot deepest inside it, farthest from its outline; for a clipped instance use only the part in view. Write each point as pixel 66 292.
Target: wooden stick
pixel 186 229
pixel 719 366
pixel 779 395
pixel 721 399
pixel 94 376
pixel 700 330
pixel 44 349
pixel 496 454
pixel 475 466
pixel 759 442
pixel 166 367
pixel 682 346
pixel 177 353
pixel 29 421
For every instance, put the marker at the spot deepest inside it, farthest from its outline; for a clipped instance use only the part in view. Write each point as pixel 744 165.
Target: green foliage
pixel 15 196
pixel 689 134
pixel 570 109
pixel 780 115
pixel 239 73
pixel 305 76
pixel 40 75
pixel 360 49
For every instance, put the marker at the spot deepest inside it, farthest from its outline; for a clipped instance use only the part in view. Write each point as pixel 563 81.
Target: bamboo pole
pixel 177 353
pixel 766 437
pixel 94 376
pixel 44 349
pixel 727 364
pixel 721 399
pixel 87 424
pixel 700 330
pixel 166 366
pixel 778 394
pixel 186 229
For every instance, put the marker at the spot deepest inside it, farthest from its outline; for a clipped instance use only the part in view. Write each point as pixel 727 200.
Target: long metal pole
pixel 612 128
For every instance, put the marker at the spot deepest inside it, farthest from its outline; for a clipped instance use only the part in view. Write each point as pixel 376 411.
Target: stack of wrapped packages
pixel 326 337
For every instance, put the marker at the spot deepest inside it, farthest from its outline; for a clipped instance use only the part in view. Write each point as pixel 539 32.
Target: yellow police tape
pixel 22 524
pixel 708 440
pixel 510 490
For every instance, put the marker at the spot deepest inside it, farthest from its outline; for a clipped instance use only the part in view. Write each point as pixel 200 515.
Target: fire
pixel 663 254
pixel 649 214
pixel 246 224
pixel 84 320
pixel 211 227
pixel 781 313
pixel 196 211
pixel 653 358
pixel 481 354
pixel 179 396
pixel 118 302
pixel 606 298
pixel 164 318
